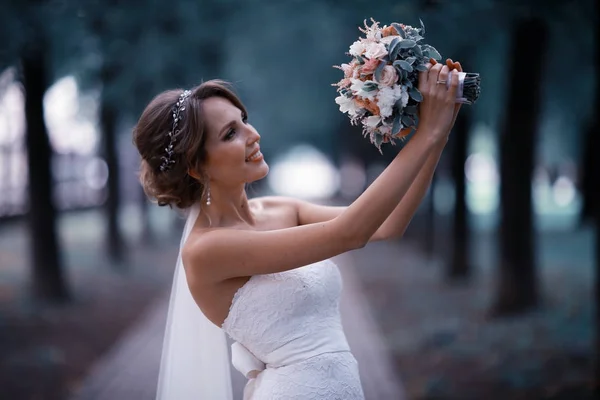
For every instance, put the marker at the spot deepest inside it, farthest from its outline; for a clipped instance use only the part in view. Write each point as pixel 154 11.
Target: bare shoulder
pixel 274 202
pixel 271 214
pixel 274 212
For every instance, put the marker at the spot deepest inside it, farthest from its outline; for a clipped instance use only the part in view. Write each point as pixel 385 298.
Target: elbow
pixel 392 235
pixel 353 241
pixel 396 235
pixel 358 242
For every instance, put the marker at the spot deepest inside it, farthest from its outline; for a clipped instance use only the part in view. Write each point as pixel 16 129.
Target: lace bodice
pixel 288 335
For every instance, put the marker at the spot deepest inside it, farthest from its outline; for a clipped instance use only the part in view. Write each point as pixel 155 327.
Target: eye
pixel 230 134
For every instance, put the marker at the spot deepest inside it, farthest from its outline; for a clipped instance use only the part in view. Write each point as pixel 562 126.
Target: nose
pixel 253 136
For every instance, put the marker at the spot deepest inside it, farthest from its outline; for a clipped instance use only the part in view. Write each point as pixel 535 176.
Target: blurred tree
pixel 143 50
pixel 111 64
pixel 459 267
pixel 33 50
pixel 590 185
pixel 517 284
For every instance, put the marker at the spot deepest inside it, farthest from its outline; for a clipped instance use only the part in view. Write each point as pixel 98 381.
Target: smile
pixel 256 156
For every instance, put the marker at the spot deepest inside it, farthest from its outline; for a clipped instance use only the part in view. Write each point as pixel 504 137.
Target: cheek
pixel 226 159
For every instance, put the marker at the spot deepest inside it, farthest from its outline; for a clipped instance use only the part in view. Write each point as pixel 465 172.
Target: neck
pixel 228 206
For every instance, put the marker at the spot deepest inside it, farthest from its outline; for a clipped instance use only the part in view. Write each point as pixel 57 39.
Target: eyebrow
pixel 229 124
pixel 225 128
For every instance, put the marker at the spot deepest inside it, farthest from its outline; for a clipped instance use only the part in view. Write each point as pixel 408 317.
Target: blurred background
pixel 493 291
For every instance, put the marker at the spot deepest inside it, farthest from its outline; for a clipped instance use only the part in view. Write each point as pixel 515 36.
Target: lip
pixel 253 153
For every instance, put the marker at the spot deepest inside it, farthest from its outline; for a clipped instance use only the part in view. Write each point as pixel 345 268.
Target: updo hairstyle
pixel 175 187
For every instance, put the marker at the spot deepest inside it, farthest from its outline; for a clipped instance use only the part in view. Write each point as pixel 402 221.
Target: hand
pixel 438 109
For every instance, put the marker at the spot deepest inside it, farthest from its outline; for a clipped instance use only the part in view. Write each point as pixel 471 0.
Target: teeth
pixel 255 156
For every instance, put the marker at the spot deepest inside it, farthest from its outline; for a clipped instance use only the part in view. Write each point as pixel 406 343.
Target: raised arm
pixel 220 254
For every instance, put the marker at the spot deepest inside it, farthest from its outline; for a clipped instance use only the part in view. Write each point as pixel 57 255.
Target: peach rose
pixel 389 76
pixel 369 66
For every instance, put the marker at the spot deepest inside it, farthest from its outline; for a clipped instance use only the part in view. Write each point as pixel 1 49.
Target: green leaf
pixel 370 86
pixel 411 60
pixel 391 47
pixel 378 140
pixel 399 30
pixel 415 94
pixel 421 67
pixel 394 48
pixel 398 106
pixel 397 126
pixel 407 121
pixel 379 70
pixel 422 27
pixel 360 60
pixel 433 53
pixel 404 65
pixel 407 44
pixel 410 110
pixel 417 51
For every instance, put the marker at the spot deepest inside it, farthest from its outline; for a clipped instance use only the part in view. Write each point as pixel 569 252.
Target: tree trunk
pixel 459 267
pixel 517 286
pixel 47 275
pixel 597 253
pixel 429 231
pixel 595 192
pixel 108 124
pixel 590 191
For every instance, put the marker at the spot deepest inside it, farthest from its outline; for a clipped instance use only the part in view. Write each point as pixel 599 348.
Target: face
pixel 233 155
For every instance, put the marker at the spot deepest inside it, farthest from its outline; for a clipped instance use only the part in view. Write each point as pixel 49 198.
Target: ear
pixel 194 174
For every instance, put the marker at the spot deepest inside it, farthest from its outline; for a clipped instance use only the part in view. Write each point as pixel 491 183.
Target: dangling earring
pixel 208 196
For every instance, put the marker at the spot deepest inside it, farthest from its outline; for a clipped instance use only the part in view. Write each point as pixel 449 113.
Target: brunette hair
pixel 176 187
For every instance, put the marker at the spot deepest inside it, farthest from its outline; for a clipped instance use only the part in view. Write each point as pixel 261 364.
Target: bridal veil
pixel 195 360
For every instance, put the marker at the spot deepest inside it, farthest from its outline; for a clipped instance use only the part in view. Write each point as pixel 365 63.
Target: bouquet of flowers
pixel 379 88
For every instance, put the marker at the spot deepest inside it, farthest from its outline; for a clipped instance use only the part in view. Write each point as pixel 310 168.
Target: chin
pixel 261 172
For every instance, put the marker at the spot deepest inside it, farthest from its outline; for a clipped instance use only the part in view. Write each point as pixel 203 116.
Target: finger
pixel 453 85
pixel 423 76
pixel 443 77
pixel 458 66
pixel 433 75
pixel 432 61
pixel 450 64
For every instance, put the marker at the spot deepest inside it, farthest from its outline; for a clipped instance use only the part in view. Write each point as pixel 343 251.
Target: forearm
pixel 395 225
pixel 367 213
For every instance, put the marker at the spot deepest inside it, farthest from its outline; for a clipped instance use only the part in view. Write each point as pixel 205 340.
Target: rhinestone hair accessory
pixel 167 160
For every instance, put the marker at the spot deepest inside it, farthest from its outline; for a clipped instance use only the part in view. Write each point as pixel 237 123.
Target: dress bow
pixel 246 362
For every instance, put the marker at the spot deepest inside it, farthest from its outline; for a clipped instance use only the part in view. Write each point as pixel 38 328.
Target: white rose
pixel 375 50
pixel 357 88
pixel 372 121
pixel 357 48
pixel 404 96
pixel 346 105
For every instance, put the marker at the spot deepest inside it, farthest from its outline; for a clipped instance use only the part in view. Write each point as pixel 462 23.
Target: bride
pixel 259 270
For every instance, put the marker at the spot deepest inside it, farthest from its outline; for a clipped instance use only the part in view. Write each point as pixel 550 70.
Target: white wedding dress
pixel 289 340
pixel 287 332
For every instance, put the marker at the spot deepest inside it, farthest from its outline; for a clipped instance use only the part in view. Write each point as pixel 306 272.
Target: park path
pixel 130 370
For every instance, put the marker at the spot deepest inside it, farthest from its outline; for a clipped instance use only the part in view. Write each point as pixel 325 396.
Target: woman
pixel 259 269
